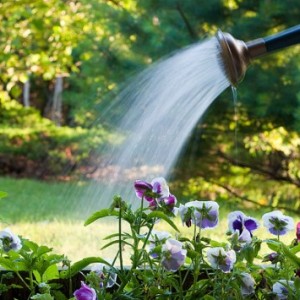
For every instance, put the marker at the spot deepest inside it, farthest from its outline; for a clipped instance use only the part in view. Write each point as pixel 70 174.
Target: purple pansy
pixel 173 255
pixel 277 223
pixel 170 201
pixel 243 225
pixel 204 214
pixel 158 188
pixel 9 241
pixel 157 193
pixel 283 288
pixel 221 259
pixel 85 293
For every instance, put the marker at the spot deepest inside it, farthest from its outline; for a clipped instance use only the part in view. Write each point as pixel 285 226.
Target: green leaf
pixel 291 256
pixel 58 295
pixel 208 297
pixel 42 250
pixel 30 245
pixel 116 242
pixel 37 276
pixel 297 283
pixel 217 244
pixel 51 273
pixel 3 194
pixel 11 265
pixel 42 297
pixel 101 214
pixel 80 265
pixel 295 249
pixel 192 254
pixel 273 245
pixel 161 215
pixel 123 235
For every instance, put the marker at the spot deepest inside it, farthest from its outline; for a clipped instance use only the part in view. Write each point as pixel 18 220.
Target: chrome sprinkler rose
pixel 236 55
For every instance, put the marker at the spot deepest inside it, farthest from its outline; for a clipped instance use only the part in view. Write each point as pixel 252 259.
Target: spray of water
pixel 160 108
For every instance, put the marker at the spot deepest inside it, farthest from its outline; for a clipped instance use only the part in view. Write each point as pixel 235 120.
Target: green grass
pixel 45 213
pixel 38 201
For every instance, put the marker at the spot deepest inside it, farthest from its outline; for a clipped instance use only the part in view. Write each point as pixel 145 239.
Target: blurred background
pixel 63 62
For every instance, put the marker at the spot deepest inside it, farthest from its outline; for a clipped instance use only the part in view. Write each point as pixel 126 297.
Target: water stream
pixel 160 108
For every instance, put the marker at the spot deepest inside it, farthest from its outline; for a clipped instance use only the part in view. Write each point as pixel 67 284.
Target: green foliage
pixel 24 133
pixel 37 263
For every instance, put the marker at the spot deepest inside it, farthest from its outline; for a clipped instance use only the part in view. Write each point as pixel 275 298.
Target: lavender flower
pixel 185 215
pixel 283 289
pixel 9 241
pixel 247 286
pixel 173 255
pixel 105 275
pixel 205 214
pixel 243 225
pixel 277 223
pixel 155 238
pixel 221 259
pixel 85 293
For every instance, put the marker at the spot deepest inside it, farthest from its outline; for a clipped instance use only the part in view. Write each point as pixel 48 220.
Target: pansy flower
pixel 185 214
pixel 277 223
pixel 243 225
pixel 221 259
pixel 105 275
pixel 173 255
pixel 9 241
pixel 204 214
pixel 283 288
pixel 158 188
pixel 169 202
pixel 247 284
pixel 157 193
pixel 85 293
pixel 157 237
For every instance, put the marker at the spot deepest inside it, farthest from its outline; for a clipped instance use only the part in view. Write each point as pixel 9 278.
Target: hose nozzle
pixel 236 55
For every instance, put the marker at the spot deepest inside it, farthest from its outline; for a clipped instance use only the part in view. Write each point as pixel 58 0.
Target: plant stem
pixel 23 281
pixel 120 242
pixel 31 281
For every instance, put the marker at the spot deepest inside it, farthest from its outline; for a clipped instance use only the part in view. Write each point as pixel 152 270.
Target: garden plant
pixel 163 266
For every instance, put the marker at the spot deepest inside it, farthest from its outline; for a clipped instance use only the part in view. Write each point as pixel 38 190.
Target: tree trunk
pixel 56 110
pixel 26 93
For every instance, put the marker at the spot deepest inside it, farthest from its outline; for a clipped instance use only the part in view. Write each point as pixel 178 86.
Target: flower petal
pixel 85 293
pixel 141 187
pixel 251 224
pixel 160 186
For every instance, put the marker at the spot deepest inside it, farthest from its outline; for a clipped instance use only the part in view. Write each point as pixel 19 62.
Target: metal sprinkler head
pixel 236 55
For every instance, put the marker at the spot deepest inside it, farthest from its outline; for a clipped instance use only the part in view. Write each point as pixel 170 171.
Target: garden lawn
pixel 44 213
